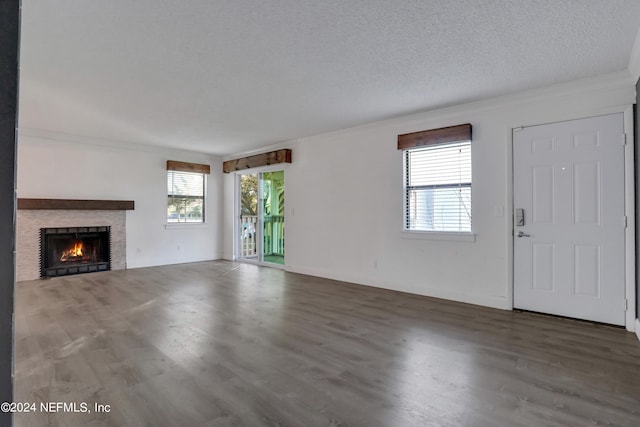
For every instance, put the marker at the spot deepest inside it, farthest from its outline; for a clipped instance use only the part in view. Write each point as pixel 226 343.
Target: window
pixel 437 184
pixel 186 192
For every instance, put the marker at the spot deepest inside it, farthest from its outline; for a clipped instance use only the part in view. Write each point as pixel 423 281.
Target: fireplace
pixel 74 250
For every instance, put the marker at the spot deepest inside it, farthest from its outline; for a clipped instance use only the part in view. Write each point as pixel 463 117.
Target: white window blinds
pixel 438 187
pixel 186 196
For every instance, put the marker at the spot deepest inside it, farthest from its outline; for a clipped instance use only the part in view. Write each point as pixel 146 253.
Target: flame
pixel 73 252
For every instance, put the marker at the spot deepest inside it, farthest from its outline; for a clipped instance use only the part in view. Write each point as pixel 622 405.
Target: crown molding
pixel 605 84
pixel 90 140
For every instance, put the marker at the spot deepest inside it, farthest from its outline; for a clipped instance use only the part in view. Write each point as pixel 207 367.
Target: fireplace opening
pixel 74 250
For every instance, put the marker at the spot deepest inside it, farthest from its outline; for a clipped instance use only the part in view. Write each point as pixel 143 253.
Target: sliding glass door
pixel 272 211
pixel 249 195
pixel 261 198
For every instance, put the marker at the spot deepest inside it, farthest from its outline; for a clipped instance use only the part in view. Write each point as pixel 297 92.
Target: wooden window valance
pixel 173 165
pixel 264 159
pixel 434 136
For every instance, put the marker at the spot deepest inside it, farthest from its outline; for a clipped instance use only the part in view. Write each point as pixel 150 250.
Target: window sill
pixel 169 225
pixel 439 235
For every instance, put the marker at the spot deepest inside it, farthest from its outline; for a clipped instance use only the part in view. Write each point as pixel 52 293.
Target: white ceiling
pixel 228 76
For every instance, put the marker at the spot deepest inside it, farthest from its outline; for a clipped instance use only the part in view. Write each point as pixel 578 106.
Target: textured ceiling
pixel 229 76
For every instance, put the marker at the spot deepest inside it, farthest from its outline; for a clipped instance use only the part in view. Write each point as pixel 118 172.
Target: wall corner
pixel 634 59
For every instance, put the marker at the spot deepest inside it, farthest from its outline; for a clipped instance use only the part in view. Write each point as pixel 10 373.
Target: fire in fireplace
pixel 74 250
pixel 74 253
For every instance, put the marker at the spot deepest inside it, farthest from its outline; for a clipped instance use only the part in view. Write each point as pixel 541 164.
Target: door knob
pixel 522 234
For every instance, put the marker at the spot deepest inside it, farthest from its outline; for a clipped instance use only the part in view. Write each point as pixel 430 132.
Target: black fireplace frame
pixel 55 271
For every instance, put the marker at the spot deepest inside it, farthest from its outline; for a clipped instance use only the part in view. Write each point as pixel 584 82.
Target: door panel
pixel 543 185
pixel 249 243
pixel 272 184
pixel 586 266
pixel 569 254
pixel 543 268
pixel 586 178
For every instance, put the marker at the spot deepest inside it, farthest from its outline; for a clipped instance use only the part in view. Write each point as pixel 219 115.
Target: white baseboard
pixel 638 328
pixel 483 300
pixel 169 261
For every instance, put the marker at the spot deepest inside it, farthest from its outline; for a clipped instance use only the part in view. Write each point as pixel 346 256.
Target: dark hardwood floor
pixel 224 344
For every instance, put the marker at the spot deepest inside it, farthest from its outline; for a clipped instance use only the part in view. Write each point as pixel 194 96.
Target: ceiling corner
pixel 634 59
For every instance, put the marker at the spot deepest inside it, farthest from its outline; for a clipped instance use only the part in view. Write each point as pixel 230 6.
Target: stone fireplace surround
pixel 29 222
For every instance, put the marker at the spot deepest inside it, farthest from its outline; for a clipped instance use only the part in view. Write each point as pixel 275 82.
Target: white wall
pixel 55 166
pixel 344 196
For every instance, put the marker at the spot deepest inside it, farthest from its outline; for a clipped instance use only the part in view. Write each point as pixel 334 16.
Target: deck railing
pixel 273 235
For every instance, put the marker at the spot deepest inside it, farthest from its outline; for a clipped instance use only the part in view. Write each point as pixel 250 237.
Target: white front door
pixel 568 197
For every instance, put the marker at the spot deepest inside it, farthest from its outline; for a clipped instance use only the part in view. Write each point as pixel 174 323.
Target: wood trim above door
pixel 264 159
